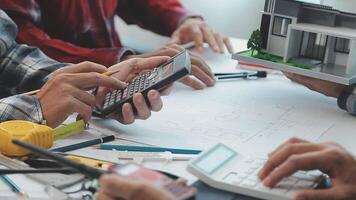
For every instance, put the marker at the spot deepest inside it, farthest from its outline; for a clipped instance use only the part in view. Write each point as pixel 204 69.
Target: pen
pixel 108 73
pixel 84 169
pixel 147 149
pixel 84 144
pixel 245 75
pixel 16 189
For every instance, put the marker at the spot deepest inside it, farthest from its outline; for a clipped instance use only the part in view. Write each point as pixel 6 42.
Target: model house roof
pixel 340 32
pixel 311 13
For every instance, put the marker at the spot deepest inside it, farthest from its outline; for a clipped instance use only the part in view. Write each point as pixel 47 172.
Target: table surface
pixel 250 115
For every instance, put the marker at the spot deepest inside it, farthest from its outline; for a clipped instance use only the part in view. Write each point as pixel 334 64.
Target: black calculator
pixel 157 79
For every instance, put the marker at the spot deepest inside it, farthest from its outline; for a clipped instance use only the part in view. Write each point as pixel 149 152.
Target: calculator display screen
pixel 167 70
pixel 215 159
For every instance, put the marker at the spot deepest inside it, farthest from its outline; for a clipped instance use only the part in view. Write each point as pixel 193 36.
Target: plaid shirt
pixel 22 69
pixel 73 31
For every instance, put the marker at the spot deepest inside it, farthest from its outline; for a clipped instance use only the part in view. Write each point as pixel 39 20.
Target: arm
pixel 21 107
pixel 160 16
pixel 22 68
pixel 27 15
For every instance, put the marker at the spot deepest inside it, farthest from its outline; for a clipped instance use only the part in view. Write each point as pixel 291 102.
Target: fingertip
pixel 267 182
pixel 153 94
pixel 138 98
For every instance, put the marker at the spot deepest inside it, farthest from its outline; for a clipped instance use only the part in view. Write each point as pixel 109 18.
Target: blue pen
pixel 147 149
pixel 84 144
pixel 16 189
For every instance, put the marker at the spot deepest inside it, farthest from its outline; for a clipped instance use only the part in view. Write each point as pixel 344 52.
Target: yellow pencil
pixel 108 73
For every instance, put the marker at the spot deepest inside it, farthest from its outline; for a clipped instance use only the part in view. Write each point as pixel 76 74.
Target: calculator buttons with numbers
pixel 223 168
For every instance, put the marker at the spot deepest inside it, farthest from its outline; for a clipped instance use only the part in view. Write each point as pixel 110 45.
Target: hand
pixel 325 87
pixel 115 187
pixel 200 69
pixel 195 29
pixel 128 70
pixel 331 159
pixel 66 93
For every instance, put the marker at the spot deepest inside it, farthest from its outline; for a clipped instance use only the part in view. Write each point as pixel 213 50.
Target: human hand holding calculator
pixel 142 80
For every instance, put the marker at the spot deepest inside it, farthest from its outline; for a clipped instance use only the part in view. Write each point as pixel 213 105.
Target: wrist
pixel 190 17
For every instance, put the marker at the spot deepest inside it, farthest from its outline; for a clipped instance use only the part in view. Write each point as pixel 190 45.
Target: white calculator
pixel 223 168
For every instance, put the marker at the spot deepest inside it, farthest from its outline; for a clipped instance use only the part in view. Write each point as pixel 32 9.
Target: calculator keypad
pixel 247 177
pixel 137 85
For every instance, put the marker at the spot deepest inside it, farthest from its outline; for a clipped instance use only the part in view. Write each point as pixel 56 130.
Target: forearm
pixel 21 107
pixel 25 69
pixel 160 16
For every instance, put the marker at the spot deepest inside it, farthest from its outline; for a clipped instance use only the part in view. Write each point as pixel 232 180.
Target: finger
pixel 116 186
pixel 139 64
pixel 209 38
pixel 81 108
pixel 220 42
pixel 196 60
pixel 84 96
pixel 155 100
pixel 143 111
pixel 308 161
pixel 198 73
pixel 284 153
pixel 290 141
pixel 175 39
pixel 193 83
pixel 182 182
pixel 93 79
pixel 202 65
pixel 128 116
pixel 176 47
pixel 83 67
pixel 228 45
pixel 100 95
pixel 197 37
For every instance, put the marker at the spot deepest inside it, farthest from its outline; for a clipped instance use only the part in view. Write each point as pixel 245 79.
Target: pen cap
pixel 29 132
pixel 261 74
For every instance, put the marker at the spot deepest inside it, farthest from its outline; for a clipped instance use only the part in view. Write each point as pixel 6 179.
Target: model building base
pixel 301 66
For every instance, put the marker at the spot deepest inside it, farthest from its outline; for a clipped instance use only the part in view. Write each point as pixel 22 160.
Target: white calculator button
pixel 315 173
pixel 290 181
pixel 254 178
pixel 279 190
pixel 242 176
pixel 249 183
pixel 250 170
pixel 231 177
pixel 260 161
pixel 263 188
pixel 303 176
pixel 249 161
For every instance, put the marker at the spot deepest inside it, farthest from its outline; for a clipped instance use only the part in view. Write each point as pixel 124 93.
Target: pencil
pixel 16 189
pixel 108 73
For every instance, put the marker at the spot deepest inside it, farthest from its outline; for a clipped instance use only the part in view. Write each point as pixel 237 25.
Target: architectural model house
pixel 320 38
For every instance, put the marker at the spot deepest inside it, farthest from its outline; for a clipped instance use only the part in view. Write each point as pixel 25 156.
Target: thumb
pixel 140 64
pixel 175 39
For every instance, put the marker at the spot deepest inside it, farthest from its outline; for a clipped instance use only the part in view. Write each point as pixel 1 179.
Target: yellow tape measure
pixel 36 134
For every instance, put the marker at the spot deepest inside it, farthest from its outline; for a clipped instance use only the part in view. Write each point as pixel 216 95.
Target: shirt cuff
pixel 123 52
pixel 21 107
pixel 347 100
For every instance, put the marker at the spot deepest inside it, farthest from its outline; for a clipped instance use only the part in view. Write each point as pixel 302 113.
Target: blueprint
pixel 251 115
